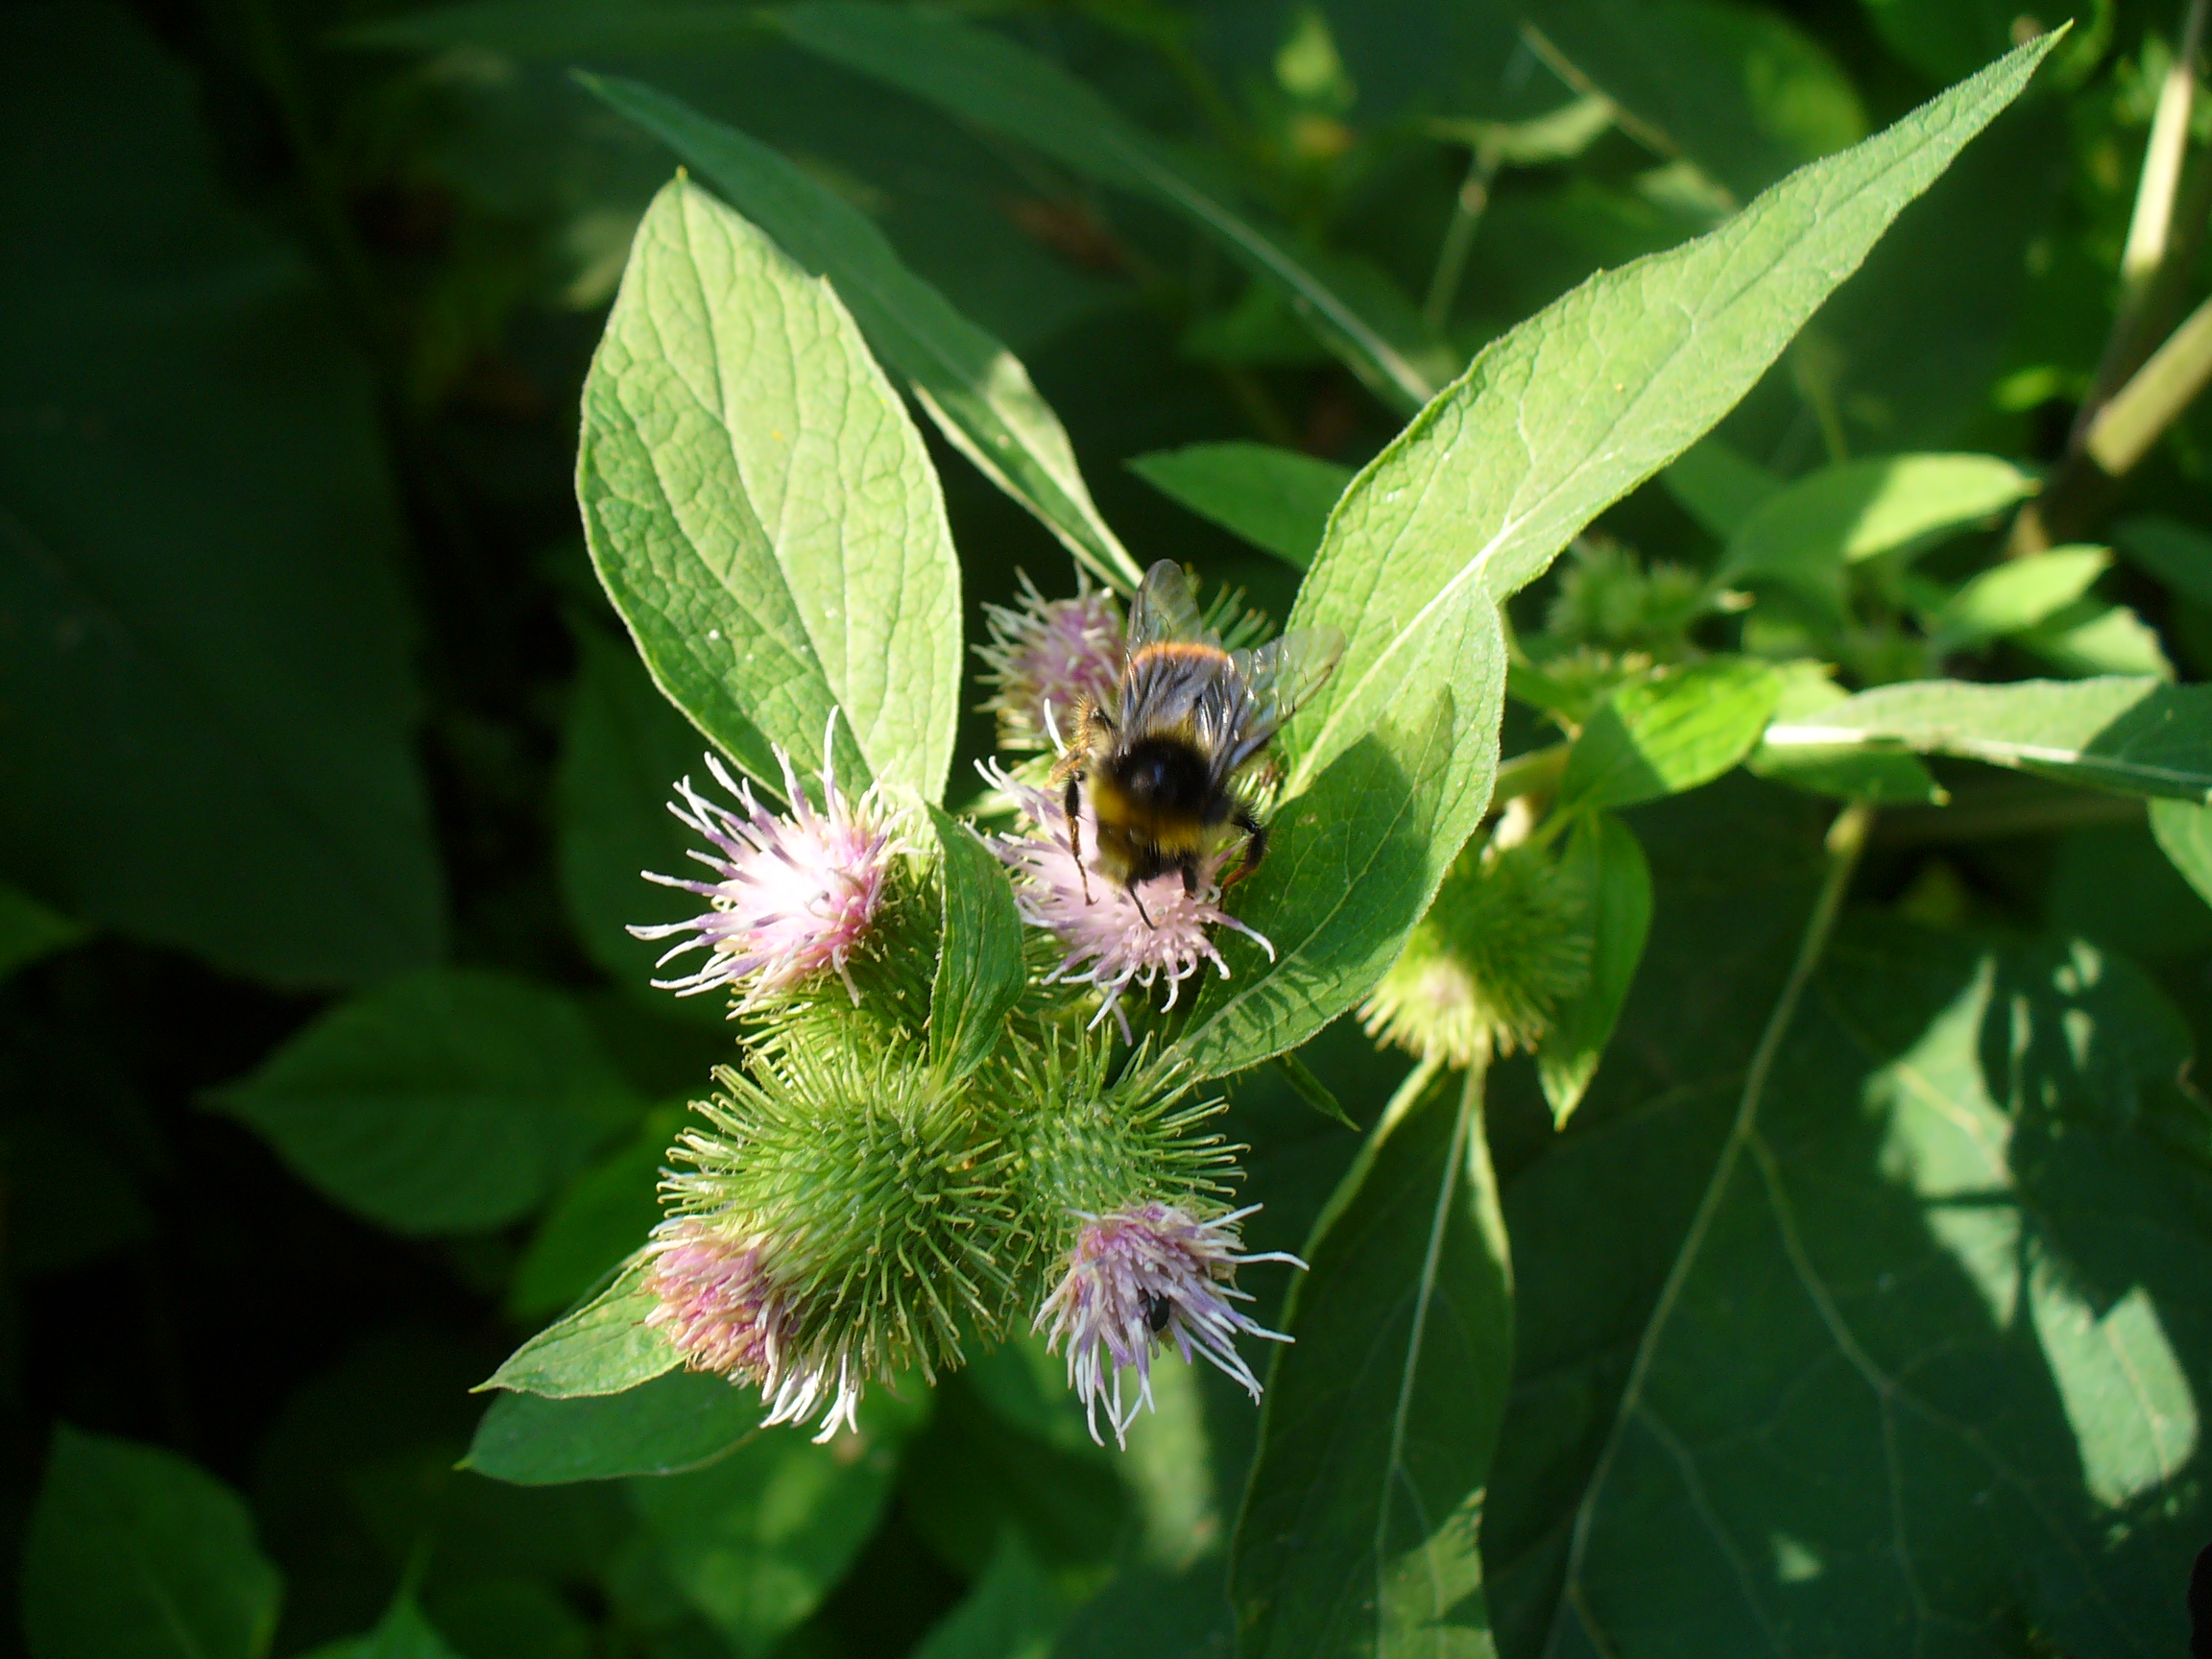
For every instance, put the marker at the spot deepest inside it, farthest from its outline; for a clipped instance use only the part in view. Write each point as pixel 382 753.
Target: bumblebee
pixel 1171 763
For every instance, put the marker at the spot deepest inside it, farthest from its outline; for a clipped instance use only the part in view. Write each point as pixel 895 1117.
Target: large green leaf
pixel 974 389
pixel 988 79
pixel 2016 594
pixel 205 679
pixel 679 1421
pixel 1884 778
pixel 755 1541
pixel 1358 1534
pixel 1277 499
pixel 402 1634
pixel 134 1554
pixel 1571 410
pixel 1663 736
pixel 1806 535
pixel 761 508
pixel 2184 833
pixel 447 1101
pixel 980 970
pixel 2124 733
pixel 1920 1360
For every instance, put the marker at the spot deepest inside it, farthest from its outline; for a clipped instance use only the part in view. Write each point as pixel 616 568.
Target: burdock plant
pixel 976 1080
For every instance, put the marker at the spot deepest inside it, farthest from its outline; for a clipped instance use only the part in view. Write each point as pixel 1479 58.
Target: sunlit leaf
pixel 1885 778
pixel 1663 736
pixel 2184 833
pixel 974 389
pixel 1806 535
pixel 2129 733
pixel 135 1554
pixel 2016 594
pixel 761 508
pixel 2087 637
pixel 602 1347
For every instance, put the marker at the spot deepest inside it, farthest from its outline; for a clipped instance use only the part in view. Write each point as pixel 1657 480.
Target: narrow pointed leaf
pixel 1574 408
pixel 761 508
pixel 974 389
pixel 2132 734
pixel 1605 857
pixel 602 1347
pixel 1358 1534
pixel 980 973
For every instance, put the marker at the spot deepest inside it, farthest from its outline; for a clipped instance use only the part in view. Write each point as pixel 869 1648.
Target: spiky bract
pixel 878 1196
pixel 1504 944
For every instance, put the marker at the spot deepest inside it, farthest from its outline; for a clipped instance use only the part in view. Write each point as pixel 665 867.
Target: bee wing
pixel 1277 678
pixel 1166 610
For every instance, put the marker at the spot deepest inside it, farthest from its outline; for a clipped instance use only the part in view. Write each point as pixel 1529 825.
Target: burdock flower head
pixel 1503 945
pixel 1112 938
pixel 720 1306
pixel 1046 657
pixel 1136 1279
pixel 790 896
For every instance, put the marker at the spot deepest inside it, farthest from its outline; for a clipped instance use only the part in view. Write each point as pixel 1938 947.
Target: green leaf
pixel 29 931
pixel 985 79
pixel 2176 554
pixel 2017 594
pixel 1661 736
pixel 1358 1533
pixel 1894 1334
pixel 2183 829
pixel 761 508
pixel 753 1542
pixel 622 752
pixel 2087 638
pixel 602 1347
pixel 1806 535
pixel 1013 1612
pixel 1277 499
pixel 453 1100
pixel 1717 486
pixel 600 1218
pixel 2133 734
pixel 980 971
pixel 1570 411
pixel 679 1421
pixel 208 738
pixel 1605 855
pixel 135 1554
pixel 1883 779
pixel 1348 875
pixel 974 389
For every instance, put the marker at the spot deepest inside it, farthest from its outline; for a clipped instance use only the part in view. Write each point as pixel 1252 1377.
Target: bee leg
pixel 1190 868
pixel 1072 809
pixel 1255 846
pixel 1136 899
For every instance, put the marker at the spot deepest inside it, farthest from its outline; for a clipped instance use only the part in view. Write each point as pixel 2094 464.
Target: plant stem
pixel 1467 211
pixel 2124 428
pixel 2152 222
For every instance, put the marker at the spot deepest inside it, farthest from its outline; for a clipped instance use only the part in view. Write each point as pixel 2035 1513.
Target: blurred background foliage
pixel 325 1069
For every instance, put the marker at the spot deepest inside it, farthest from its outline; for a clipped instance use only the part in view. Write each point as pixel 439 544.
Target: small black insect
pixel 1158 1310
